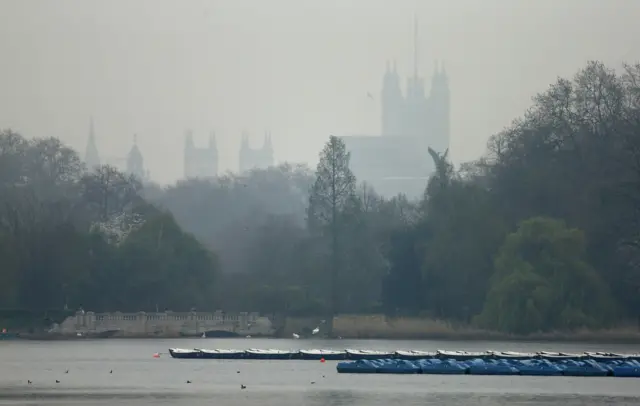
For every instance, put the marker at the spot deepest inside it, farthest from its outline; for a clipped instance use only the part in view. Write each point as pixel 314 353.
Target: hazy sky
pixel 299 68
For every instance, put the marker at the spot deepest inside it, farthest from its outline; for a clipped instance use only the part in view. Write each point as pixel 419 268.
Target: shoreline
pixel 345 326
pixel 594 337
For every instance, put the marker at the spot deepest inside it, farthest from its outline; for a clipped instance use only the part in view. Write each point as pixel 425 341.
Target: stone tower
pixel 91 156
pixel 135 161
pixel 200 162
pixel 416 114
pixel 254 158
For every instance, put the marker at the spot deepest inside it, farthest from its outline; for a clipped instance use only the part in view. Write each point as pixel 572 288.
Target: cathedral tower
pixel 441 115
pixel 250 158
pixel 135 161
pixel 91 156
pixel 200 162
pixel 392 103
pixel 417 109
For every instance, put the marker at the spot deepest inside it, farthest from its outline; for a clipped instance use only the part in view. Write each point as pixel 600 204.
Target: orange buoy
pixel 321 359
pixel 156 355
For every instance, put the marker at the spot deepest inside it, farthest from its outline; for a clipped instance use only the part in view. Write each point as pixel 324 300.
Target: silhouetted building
pixel 91 156
pixel 251 158
pixel 398 161
pixel 200 162
pixel 135 161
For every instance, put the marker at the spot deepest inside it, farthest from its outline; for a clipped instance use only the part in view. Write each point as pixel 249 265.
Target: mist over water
pixel 140 379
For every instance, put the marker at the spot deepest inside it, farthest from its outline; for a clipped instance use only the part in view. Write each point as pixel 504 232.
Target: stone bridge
pixel 165 324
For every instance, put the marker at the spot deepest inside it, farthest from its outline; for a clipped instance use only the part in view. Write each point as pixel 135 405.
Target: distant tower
pixel 91 156
pixel 135 162
pixel 440 110
pixel 213 158
pixel 244 156
pixel 267 151
pixel 259 158
pixel 417 110
pixel 189 147
pixel 200 162
pixel 392 103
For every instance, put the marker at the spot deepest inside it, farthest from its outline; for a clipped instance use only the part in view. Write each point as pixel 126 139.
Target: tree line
pixel 72 237
pixel 538 234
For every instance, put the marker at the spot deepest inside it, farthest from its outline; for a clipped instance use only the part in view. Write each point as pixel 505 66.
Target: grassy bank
pixel 381 327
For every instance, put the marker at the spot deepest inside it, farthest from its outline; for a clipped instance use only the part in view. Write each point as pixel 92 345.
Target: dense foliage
pixel 539 234
pixel 71 238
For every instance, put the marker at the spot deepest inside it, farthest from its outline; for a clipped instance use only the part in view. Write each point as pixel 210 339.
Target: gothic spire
pixel 212 141
pixel 267 140
pixel 415 46
pixel 245 139
pixel 92 158
pixel 444 78
pixel 135 161
pixel 188 139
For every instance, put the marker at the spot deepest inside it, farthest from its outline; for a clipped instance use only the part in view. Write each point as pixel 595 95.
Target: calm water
pixel 140 379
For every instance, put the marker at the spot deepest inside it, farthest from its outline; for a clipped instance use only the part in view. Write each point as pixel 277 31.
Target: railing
pixel 218 317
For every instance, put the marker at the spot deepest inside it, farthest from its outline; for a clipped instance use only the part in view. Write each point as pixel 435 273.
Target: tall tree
pixel 332 193
pixel 542 282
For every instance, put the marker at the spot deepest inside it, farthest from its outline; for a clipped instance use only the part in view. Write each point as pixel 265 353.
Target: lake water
pixel 140 379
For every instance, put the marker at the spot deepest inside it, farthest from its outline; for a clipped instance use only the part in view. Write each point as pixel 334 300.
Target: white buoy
pixel 296 336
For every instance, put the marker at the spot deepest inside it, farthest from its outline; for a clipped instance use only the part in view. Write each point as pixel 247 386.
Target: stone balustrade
pixel 166 323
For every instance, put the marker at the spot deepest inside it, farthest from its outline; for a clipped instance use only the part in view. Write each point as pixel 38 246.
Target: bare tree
pixel 331 194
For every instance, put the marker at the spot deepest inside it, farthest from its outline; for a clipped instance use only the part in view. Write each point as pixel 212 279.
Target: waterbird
pixel 111 371
pixel 315 330
pixel 66 372
pixel 296 335
pixel 238 372
pixel 312 382
pixel 57 381
pixel 242 386
pixel 188 381
pixel 29 382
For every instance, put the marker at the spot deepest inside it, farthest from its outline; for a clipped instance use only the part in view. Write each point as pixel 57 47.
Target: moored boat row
pixel 352 354
pixel 628 368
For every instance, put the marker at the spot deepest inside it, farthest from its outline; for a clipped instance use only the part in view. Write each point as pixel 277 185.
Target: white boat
pixel 413 354
pixel 222 354
pixel 184 353
pixel 255 353
pixel 513 354
pixel 323 354
pixel 368 354
pixel 606 356
pixel 559 355
pixel 461 355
